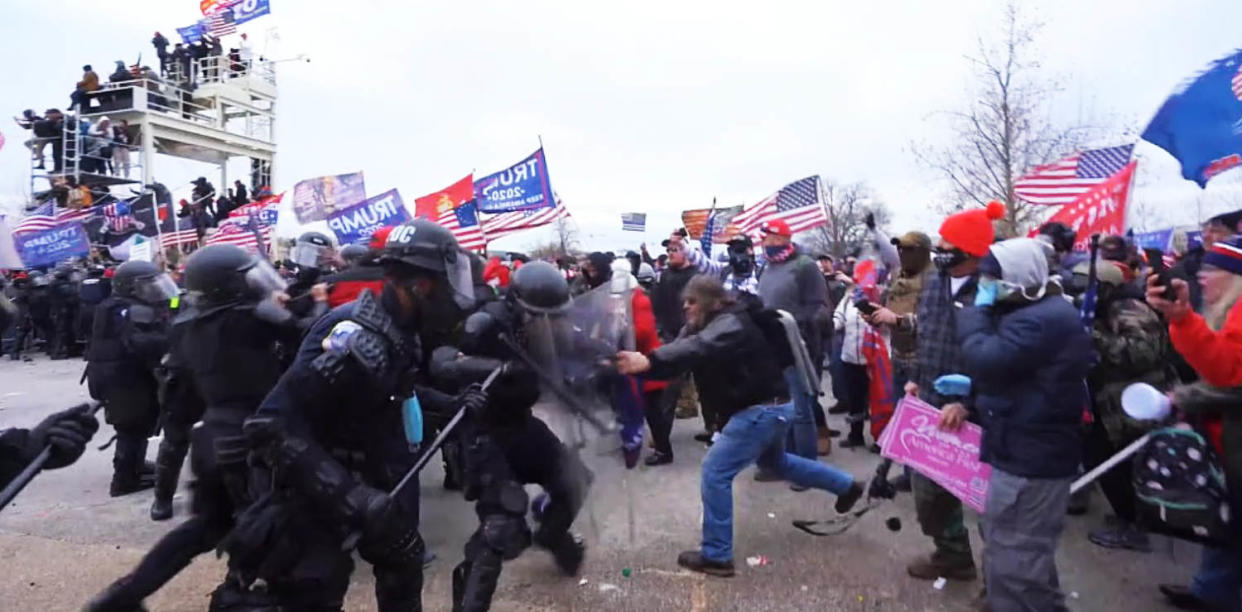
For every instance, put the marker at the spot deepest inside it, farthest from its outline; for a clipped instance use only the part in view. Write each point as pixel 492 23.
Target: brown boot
pixel 931 568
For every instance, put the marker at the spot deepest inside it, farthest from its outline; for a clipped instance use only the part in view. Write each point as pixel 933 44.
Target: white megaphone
pixel 1144 402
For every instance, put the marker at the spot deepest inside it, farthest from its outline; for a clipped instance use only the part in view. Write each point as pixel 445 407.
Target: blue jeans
pixel 1219 579
pixel 802 434
pixel 754 435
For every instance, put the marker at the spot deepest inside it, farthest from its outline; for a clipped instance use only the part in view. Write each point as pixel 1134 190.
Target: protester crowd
pixel 1027 338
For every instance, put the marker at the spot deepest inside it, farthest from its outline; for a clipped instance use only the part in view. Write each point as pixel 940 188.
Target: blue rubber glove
pixel 985 295
pixel 953 385
pixel 412 420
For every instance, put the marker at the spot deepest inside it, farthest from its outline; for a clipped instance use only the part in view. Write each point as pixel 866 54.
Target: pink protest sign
pixel 949 458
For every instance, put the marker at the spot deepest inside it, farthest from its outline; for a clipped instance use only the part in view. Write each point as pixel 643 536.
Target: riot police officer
pixel 332 432
pixel 63 300
pixel 93 290
pixel 505 446
pixel 313 256
pixel 34 302
pixel 128 339
pixel 226 342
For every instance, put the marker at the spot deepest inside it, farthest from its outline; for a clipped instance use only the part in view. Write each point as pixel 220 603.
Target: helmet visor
pixel 308 255
pixel 262 279
pixel 155 289
pixel 460 279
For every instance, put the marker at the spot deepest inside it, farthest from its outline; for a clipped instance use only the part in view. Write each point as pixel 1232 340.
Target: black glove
pixel 473 399
pixel 869 220
pixel 66 432
pixel 388 535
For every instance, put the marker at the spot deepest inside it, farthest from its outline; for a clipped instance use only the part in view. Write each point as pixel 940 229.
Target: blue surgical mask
pixel 987 292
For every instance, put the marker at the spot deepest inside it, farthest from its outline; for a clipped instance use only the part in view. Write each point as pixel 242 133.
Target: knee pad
pixel 506 534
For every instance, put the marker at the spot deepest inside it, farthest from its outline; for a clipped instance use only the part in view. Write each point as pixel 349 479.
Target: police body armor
pixel 319 478
pixel 127 339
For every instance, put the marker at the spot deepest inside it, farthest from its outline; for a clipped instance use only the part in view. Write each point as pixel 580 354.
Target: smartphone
pixel 1155 259
pixel 865 306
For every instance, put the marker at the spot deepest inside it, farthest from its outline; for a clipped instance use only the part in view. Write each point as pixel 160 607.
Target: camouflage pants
pixel 688 400
pixel 940 516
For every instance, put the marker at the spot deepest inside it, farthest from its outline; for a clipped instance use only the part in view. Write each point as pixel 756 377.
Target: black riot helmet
pixel 312 250
pixel 354 254
pixel 222 273
pixel 539 287
pixel 425 248
pixel 142 281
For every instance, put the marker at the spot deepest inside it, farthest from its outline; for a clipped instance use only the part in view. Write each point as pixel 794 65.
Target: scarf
pixel 784 255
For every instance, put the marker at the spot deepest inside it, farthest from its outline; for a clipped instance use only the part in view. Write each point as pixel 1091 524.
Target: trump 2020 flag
pixel 1201 124
pixel 634 222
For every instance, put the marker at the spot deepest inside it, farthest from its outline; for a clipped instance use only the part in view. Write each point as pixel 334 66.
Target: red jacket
pixel 1215 356
pixel 345 286
pixel 645 337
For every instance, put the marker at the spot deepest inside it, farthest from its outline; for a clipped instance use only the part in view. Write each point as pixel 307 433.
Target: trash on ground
pixel 625 571
pixel 604 587
pixel 583 582
pixel 756 561
pixel 939 583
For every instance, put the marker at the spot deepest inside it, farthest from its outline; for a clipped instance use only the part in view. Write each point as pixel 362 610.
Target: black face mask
pixel 741 263
pixel 945 260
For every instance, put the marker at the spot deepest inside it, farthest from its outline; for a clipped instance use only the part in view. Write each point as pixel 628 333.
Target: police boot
pixel 568 551
pixel 167 470
pixel 115 598
pixel 128 466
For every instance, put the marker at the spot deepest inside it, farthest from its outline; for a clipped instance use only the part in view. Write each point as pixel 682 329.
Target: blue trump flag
pixel 38 249
pixel 249 9
pixel 1201 125
pixel 522 186
pixel 193 33
pixel 356 223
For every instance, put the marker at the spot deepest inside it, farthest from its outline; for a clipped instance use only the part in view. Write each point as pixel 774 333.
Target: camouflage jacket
pixel 902 298
pixel 1133 346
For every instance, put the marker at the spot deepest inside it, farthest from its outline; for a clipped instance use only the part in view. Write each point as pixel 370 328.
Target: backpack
pixel 1180 488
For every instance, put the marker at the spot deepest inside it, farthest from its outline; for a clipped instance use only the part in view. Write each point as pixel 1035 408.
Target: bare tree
pixel 564 241
pixel 847 207
pixel 1005 131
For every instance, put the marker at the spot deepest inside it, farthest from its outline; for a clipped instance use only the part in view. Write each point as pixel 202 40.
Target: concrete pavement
pixel 64 539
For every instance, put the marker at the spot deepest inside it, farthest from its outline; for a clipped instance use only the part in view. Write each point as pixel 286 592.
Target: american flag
pixel 797 203
pixel 230 232
pixel 42 218
pixel 463 222
pixel 117 216
pixel 220 23
pixel 1237 83
pixel 499 226
pixel 1063 181
pixel 180 231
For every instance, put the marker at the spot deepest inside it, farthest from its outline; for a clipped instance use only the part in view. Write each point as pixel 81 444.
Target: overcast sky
pixel 643 106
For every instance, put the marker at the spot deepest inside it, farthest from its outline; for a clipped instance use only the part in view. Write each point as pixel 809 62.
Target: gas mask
pixel 946 259
pixel 741 262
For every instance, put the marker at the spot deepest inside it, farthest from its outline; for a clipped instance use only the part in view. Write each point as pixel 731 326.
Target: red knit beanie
pixel 971 230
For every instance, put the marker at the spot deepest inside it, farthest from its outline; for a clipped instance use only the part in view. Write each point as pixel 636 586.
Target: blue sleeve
pixel 700 260
pixel 992 350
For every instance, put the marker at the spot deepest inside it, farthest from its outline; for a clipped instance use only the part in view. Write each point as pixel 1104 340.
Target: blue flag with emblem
pixel 1201 124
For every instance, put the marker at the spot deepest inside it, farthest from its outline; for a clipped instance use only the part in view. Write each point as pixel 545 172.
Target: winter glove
pixel 66 432
pixel 388 535
pixel 474 400
pixel 953 385
pixel 869 220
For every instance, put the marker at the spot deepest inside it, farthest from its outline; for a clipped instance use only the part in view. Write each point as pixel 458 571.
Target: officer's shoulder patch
pixel 338 337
